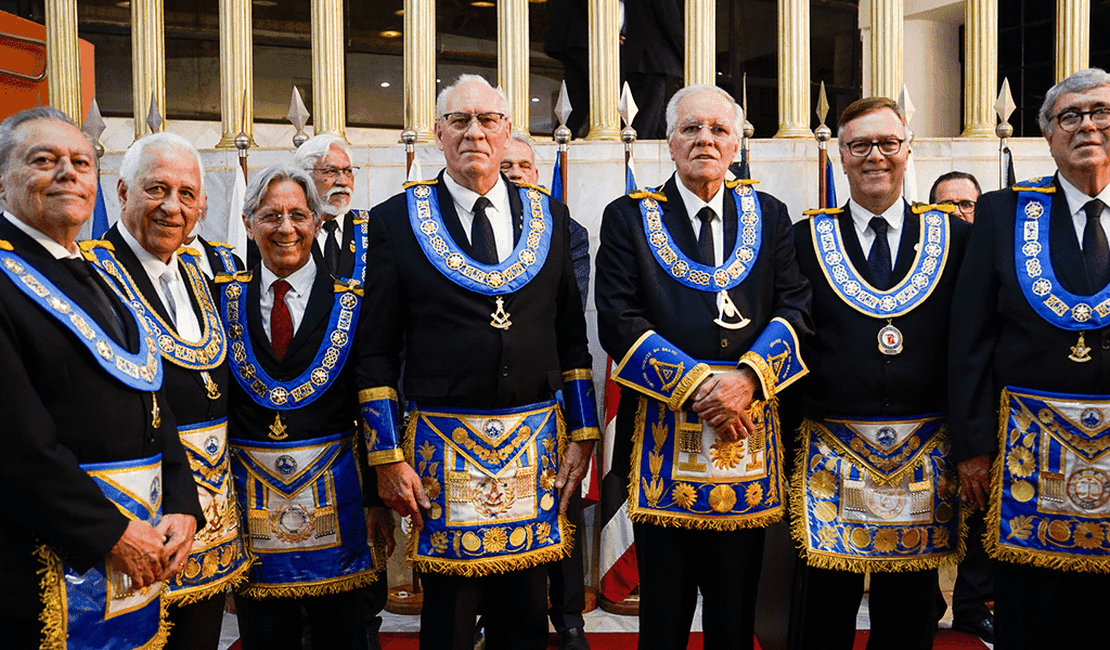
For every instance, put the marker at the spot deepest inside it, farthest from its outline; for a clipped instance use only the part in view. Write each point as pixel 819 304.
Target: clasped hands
pixel 721 401
pixel 150 554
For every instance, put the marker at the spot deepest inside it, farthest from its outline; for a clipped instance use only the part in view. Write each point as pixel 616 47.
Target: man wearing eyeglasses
pixel 342 239
pixel 960 189
pixel 1029 323
pixel 874 492
pixel 470 278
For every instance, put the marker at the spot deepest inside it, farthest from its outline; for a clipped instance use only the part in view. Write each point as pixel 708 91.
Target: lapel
pixel 517 208
pixel 210 252
pixel 852 246
pixel 319 307
pixel 454 225
pixel 346 255
pixel 135 269
pixel 263 349
pixel 730 219
pixel 1066 256
pixel 911 233
pixel 681 230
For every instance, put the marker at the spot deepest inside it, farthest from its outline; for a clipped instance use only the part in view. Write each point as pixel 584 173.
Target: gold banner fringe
pixel 53 614
pixel 477 567
pixel 191 595
pixel 322 588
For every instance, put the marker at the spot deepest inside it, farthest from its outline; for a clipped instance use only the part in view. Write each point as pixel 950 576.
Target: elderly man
pixel 293 429
pixel 874 491
pixel 700 298
pixel 1029 323
pixel 342 239
pixel 105 505
pixel 960 189
pixel 161 193
pixel 470 278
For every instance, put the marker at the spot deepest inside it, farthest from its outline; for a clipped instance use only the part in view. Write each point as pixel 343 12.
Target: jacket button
pixel 724 343
pixel 504 371
pixel 1106 343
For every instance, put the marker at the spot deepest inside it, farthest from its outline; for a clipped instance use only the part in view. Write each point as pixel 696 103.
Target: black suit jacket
pixel 346 256
pixel 654 37
pixel 453 357
pixel 60 409
pixel 214 260
pixel 848 374
pixel 997 338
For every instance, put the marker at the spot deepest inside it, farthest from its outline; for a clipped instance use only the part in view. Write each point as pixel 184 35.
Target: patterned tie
pixel 705 236
pixel 1096 253
pixel 879 258
pixel 331 246
pixel 281 323
pixel 481 234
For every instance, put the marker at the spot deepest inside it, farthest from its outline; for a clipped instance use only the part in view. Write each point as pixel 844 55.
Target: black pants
pixel 196 626
pixel 1038 608
pixel 567 591
pixel 515 607
pixel 337 621
pixel 901 607
pixel 675 563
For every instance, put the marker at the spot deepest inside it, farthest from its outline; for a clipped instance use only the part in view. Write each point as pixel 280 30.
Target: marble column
pixel 604 41
pixel 148 62
pixel 329 92
pixel 794 78
pixel 1073 37
pixel 63 61
pixel 886 48
pixel 420 68
pixel 980 67
pixel 236 71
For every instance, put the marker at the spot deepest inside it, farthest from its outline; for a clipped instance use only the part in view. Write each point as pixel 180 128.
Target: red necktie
pixel 281 323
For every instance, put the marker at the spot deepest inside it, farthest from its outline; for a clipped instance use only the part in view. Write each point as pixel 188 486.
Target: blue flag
pixel 629 177
pixel 830 185
pixel 557 180
pixel 100 214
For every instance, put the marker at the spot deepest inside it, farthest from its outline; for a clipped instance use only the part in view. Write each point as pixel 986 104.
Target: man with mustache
pixel 342 239
pixel 1029 324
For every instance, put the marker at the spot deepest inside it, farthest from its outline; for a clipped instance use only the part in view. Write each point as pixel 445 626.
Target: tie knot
pixel 481 204
pixel 879 225
pixel 1094 208
pixel 707 214
pixel 281 287
pixel 330 226
pixel 77 266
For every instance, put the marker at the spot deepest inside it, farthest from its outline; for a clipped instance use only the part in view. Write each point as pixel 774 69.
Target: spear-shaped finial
pixel 626 107
pixel 1004 106
pixel 823 133
pixel 562 111
pixel 298 115
pixel 153 116
pixel 94 128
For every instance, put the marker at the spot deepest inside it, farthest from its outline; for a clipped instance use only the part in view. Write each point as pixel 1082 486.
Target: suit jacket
pixel 635 294
pixel 453 357
pixel 61 409
pixel 849 376
pixel 654 37
pixel 213 256
pixel 997 338
pixel 346 256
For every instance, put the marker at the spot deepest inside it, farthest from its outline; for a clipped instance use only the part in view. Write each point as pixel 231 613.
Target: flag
pixel 1008 167
pixel 830 185
pixel 236 231
pixel 909 182
pixel 100 214
pixel 557 179
pixel 617 568
pixel 630 175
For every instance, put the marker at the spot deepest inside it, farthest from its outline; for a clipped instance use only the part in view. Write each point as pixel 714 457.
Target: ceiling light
pixel 481 3
pixel 390 33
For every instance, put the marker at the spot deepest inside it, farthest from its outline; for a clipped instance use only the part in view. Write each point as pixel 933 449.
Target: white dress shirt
pixel 186 324
pixel 322 236
pixel 296 299
pixel 500 213
pixel 895 215
pixel 56 250
pixel 1076 200
pixel 694 204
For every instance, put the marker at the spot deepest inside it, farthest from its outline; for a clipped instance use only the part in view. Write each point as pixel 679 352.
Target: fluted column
pixel 63 70
pixel 980 67
pixel 512 59
pixel 700 63
pixel 420 67
pixel 604 35
pixel 236 71
pixel 329 96
pixel 148 62
pixel 794 69
pixel 886 48
pixel 1073 37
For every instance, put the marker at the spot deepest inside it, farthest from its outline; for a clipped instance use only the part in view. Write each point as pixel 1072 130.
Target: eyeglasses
pixel 862 149
pixel 965 206
pixel 334 172
pixel 693 129
pixel 275 219
pixel 1070 120
pixel 461 121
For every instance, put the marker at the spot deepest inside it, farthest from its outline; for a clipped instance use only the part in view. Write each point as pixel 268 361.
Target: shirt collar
pixel 694 203
pixel 153 266
pixel 1076 198
pixel 464 198
pixel 338 219
pixel 300 281
pixel 861 217
pixel 56 250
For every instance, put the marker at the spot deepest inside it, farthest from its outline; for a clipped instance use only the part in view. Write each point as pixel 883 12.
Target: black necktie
pixel 331 246
pixel 705 236
pixel 83 273
pixel 1096 254
pixel 481 234
pixel 879 258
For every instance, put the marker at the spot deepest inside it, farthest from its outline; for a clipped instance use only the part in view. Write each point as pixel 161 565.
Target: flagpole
pixel 626 107
pixel 747 132
pixel 242 140
pixel 93 128
pixel 562 139
pixel 1004 106
pixel 408 138
pixel 822 134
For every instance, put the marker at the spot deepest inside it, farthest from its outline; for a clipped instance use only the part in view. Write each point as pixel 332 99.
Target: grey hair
pixel 1078 82
pixel 13 122
pixel 672 107
pixel 258 188
pixel 464 79
pixel 133 157
pixel 520 137
pixel 317 147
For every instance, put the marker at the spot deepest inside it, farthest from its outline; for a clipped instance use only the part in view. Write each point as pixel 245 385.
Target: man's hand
pixel 400 488
pixel 722 401
pixel 139 553
pixel 573 469
pixel 379 524
pixel 177 530
pixel 975 482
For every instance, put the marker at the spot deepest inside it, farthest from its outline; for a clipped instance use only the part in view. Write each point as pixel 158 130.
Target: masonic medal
pixel 500 317
pixel 210 386
pixel 277 429
pixel 728 310
pixel 890 340
pixel 1080 353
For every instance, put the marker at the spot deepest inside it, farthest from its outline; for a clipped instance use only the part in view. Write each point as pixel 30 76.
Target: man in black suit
pixel 652 50
pixel 342 239
pixel 470 277
pixel 1029 318
pixel 706 330
pixel 296 450
pixel 84 417
pixel 161 192
pixel 874 491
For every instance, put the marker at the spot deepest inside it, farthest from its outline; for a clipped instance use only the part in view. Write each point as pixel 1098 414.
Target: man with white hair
pixel 700 299
pixel 161 193
pixel 1029 324
pixel 470 279
pixel 342 239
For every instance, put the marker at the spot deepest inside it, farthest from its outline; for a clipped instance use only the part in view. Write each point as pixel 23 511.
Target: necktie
pixel 81 271
pixel 281 323
pixel 879 258
pixel 1096 253
pixel 705 236
pixel 331 246
pixel 166 280
pixel 481 234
